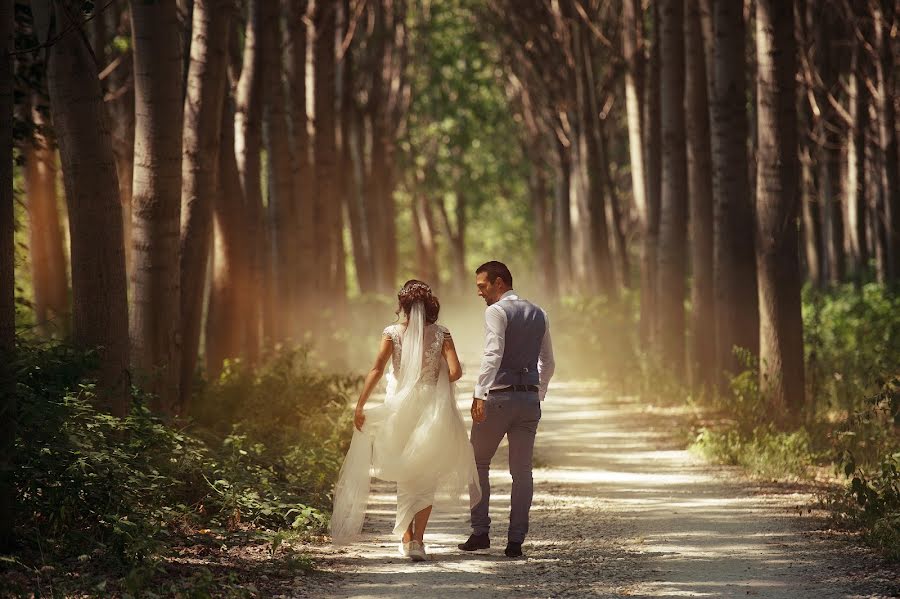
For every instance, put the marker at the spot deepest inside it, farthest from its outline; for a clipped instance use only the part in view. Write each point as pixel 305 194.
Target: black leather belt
pixel 516 388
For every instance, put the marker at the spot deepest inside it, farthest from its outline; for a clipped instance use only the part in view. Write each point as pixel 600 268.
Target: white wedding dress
pixel 417 437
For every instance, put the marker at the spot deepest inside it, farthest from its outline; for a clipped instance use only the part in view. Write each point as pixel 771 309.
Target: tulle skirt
pixel 419 442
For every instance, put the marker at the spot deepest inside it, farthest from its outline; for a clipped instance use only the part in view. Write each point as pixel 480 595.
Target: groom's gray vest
pixel 525 328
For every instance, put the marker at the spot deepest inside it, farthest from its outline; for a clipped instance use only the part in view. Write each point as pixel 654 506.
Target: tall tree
pixel 247 145
pixel 734 261
pixel 653 176
pixel 99 307
pixel 673 207
pixel 301 148
pixel 7 279
pixel 699 157
pixel 48 260
pixel 884 17
pixel 206 82
pixel 282 201
pixel 778 200
pixel 155 281
pixel 325 145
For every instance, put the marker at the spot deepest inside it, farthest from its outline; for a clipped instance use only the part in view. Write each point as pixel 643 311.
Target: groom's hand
pixel 478 414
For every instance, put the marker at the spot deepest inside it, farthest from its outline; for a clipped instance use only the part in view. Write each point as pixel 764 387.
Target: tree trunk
pixel 855 200
pixel 48 258
pixel 673 210
pixel 118 89
pixel 231 271
pixel 423 230
pixel 328 199
pixel 296 67
pixel 247 145
pixel 99 307
pixel 634 98
pixel 653 163
pixel 537 187
pixel 562 215
pixel 207 78
pixel 778 198
pixel 615 214
pixel 282 204
pixel 7 280
pixel 734 261
pixel 702 348
pixel 457 237
pixel 811 224
pixel 155 320
pixel 887 135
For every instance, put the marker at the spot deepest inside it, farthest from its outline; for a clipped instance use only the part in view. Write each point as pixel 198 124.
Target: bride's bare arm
pixel 381 360
pixel 449 351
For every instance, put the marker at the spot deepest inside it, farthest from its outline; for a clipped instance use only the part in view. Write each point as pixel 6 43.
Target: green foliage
pixel 261 456
pixel 765 452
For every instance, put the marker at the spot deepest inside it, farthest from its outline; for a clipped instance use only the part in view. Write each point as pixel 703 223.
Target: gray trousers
pixel 515 415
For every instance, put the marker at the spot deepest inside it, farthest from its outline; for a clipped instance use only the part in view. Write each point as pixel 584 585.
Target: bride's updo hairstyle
pixel 416 291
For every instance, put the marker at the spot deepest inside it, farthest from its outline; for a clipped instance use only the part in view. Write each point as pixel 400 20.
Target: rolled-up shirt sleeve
pixel 546 363
pixel 494 343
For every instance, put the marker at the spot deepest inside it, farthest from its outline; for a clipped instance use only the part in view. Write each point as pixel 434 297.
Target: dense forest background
pixel 208 203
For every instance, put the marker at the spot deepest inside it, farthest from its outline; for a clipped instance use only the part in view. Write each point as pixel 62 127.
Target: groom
pixel 515 370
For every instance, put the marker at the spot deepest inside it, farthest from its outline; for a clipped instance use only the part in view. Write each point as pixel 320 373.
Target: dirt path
pixel 619 510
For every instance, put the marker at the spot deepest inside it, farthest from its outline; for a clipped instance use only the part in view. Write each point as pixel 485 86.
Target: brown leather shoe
pixel 475 543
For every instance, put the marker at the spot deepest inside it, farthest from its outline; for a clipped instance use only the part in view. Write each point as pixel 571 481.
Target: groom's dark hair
pixel 496 269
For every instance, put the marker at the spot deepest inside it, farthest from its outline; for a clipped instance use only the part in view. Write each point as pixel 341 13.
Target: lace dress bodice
pixel 435 335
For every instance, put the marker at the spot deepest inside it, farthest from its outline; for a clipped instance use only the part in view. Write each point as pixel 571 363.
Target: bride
pixel 417 436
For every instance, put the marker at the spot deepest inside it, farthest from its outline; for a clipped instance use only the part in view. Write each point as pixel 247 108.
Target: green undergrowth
pixel 104 503
pixel 850 424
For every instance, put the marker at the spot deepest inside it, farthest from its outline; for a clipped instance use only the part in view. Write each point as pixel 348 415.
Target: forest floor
pixel 621 509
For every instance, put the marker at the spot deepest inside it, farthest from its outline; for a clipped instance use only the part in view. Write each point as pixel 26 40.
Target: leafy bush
pixel 262 454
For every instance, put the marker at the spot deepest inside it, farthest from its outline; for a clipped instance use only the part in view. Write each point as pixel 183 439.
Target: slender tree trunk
pixel 537 184
pixel 247 145
pixel 296 68
pixel 99 307
pixel 282 204
pixel 699 155
pixel 632 45
pixel 653 164
pixel 328 199
pixel 48 258
pixel 856 166
pixel 734 262
pixel 457 237
pixel 231 272
pixel 207 78
pixel 562 216
pixel 673 212
pixel 778 199
pixel 7 280
pixel 118 89
pixel 423 230
pixel 887 135
pixel 812 229
pixel 155 319
pixel 615 214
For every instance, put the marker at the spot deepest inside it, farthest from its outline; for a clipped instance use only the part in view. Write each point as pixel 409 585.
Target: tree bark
pixel 537 187
pixel 231 270
pixel 7 280
pixel 673 210
pixel 48 259
pixel 207 78
pixel 778 198
pixel 247 145
pixel 653 163
pixel 282 201
pixel 855 200
pixel 734 262
pixel 699 156
pixel 155 320
pixel 424 232
pixel 328 201
pixel 887 135
pixel 99 308
pixel 562 215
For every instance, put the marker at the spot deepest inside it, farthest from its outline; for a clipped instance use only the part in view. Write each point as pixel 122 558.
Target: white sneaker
pixel 404 548
pixel 417 551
